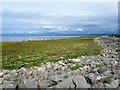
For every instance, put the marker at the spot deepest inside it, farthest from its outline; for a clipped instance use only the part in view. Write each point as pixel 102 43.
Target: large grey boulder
pixel 115 83
pixel 67 83
pixel 74 82
pixel 30 84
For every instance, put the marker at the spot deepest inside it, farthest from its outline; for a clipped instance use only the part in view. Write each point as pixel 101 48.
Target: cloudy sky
pixel 43 17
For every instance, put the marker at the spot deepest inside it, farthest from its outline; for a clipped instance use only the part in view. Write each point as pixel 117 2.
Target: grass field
pixel 32 53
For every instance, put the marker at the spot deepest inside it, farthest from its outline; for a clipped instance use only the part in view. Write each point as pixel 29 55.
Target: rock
pixel 57 78
pixel 80 82
pixel 41 69
pixel 66 62
pixel 1 80
pixel 48 65
pixel 107 73
pixel 91 78
pixel 6 71
pixel 100 79
pixel 101 70
pixel 7 77
pixel 108 86
pixel 1 74
pixel 75 72
pixel 52 83
pixel 14 71
pixel 30 72
pixel 63 64
pixel 75 60
pixel 30 84
pixel 9 86
pixel 74 82
pixel 115 83
pixel 23 79
pixel 99 85
pixel 67 83
pixel 43 84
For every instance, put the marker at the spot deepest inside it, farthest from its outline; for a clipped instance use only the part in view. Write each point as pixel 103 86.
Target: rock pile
pixel 100 71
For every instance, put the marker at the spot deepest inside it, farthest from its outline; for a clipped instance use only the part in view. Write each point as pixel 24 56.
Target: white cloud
pixel 47 26
pixel 34 21
pixel 32 31
pixel 80 29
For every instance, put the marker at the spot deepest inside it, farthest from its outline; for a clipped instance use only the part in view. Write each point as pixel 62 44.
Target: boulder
pixel 75 60
pixel 115 83
pixel 74 82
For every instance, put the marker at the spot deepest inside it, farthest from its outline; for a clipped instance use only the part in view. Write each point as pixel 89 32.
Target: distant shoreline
pixel 42 36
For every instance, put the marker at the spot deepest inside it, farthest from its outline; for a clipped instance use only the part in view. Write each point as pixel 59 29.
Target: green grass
pixel 76 67
pixel 102 65
pixel 32 53
pixel 16 79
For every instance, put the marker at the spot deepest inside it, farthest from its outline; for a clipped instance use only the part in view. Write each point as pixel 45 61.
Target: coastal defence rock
pixel 74 82
pixel 101 71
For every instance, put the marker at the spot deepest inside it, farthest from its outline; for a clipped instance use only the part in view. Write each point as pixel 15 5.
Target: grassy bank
pixel 32 53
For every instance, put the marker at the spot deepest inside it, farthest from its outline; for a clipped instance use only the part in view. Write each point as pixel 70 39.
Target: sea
pixel 31 38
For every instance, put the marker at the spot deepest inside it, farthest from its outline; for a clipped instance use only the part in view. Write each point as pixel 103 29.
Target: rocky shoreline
pixel 101 71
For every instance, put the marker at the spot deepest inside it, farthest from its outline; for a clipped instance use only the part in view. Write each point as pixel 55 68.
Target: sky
pixel 59 17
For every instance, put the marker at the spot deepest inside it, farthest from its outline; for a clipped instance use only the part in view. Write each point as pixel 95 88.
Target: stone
pixel 8 85
pixel 74 82
pixel 43 84
pixel 30 72
pixel 1 80
pixel 30 84
pixel 61 63
pixel 1 74
pixel 48 65
pixel 101 70
pixel 67 83
pixel 108 86
pixel 6 71
pixel 7 77
pixel 107 73
pixel 115 83
pixel 66 61
pixel 91 78
pixel 100 79
pixel 80 82
pixel 57 78
pixel 75 60
pixel 41 69
pixel 99 85
pixel 14 71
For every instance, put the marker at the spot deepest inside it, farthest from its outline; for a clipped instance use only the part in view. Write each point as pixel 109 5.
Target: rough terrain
pixel 101 71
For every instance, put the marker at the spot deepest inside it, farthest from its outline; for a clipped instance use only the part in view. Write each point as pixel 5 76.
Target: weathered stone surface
pixel 115 83
pixel 67 83
pixel 30 84
pixel 80 82
pixel 74 82
pixel 75 60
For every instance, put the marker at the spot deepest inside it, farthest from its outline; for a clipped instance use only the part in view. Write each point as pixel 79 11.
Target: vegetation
pixel 76 67
pixel 32 53
pixel 102 65
pixel 16 79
